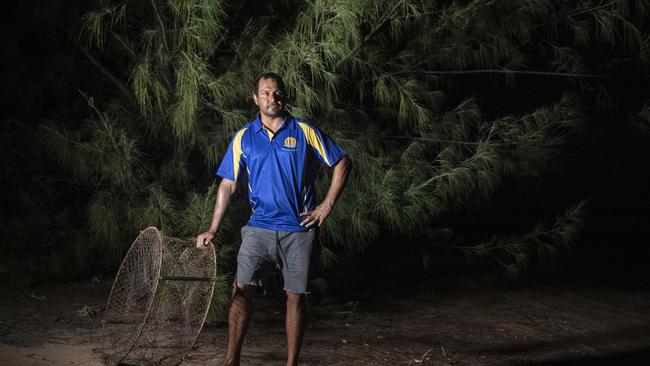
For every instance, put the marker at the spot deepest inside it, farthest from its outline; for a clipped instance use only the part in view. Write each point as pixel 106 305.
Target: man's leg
pixel 238 319
pixel 295 251
pixel 296 319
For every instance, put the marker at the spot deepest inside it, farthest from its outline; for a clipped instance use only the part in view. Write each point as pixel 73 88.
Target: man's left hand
pixel 317 216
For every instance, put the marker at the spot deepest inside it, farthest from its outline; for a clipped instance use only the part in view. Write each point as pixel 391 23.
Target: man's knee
pixel 246 291
pixel 294 299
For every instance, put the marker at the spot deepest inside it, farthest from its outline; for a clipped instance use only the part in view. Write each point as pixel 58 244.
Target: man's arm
pixel 339 178
pixel 224 193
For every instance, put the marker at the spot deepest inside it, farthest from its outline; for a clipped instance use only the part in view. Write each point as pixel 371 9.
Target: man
pixel 281 155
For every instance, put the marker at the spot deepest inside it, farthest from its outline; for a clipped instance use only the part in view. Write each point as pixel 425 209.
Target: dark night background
pixel 44 72
pixel 49 69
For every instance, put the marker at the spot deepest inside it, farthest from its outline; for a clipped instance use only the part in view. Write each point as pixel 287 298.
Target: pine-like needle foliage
pixel 419 93
pixel 543 246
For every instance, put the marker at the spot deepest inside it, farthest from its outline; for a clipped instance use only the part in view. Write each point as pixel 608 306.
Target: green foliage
pixel 149 90
pixel 200 25
pixel 543 245
pixel 420 94
pixel 96 24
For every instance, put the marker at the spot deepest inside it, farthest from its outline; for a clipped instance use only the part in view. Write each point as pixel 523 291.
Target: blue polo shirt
pixel 281 169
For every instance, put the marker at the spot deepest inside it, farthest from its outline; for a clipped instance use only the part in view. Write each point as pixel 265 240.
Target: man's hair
pixel 268 75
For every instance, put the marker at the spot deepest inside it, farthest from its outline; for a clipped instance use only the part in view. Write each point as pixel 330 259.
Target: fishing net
pixel 159 301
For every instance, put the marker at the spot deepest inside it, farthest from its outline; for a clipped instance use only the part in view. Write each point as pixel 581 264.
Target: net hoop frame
pixel 212 280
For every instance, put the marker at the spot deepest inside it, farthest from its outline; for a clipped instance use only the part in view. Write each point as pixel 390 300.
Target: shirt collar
pixel 288 122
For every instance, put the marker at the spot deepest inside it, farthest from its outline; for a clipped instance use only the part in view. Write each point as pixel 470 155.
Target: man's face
pixel 269 98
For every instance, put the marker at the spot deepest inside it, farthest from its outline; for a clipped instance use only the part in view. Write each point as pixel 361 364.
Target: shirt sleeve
pixel 233 161
pixel 327 151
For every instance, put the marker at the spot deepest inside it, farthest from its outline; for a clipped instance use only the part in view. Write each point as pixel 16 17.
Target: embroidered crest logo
pixel 290 142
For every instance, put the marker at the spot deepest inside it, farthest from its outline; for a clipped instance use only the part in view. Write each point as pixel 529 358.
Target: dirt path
pixel 470 323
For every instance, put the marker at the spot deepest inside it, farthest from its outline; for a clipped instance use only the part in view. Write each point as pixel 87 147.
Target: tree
pixel 426 97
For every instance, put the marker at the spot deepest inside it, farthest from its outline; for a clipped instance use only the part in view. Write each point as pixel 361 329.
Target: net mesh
pixel 159 301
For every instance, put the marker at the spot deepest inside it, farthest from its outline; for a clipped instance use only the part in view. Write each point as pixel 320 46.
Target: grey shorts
pixel 262 249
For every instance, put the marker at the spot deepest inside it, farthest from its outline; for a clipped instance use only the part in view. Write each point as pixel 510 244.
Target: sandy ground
pixel 472 322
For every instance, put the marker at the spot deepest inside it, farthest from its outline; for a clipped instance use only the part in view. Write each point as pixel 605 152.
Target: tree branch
pixel 583 11
pixel 506 71
pixel 374 30
pixel 161 25
pixel 107 73
pixel 226 33
pixel 123 43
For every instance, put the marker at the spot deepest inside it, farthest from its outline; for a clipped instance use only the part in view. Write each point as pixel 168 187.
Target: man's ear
pixel 254 95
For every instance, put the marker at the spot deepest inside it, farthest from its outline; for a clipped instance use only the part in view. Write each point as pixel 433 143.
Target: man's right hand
pixel 203 240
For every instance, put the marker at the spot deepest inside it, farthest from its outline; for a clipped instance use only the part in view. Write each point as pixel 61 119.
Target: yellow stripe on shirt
pixel 237 152
pixel 313 140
